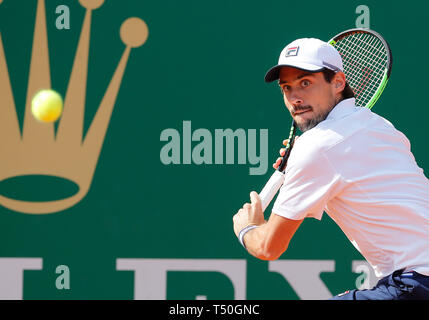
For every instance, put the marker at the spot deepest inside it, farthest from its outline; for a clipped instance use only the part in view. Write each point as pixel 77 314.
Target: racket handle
pixel 270 189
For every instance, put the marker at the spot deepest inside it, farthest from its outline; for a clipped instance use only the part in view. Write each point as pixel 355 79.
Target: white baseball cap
pixel 307 54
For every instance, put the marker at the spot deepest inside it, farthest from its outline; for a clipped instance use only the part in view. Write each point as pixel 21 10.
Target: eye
pixel 285 88
pixel 305 83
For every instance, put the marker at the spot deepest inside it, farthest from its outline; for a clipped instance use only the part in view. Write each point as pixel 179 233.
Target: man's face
pixel 308 96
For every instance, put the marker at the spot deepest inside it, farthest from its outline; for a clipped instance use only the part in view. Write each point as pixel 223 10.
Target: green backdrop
pixel 203 64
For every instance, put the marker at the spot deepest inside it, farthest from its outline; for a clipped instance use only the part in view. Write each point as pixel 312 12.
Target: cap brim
pixel 274 72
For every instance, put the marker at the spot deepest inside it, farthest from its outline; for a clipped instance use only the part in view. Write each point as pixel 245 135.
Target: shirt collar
pixel 342 109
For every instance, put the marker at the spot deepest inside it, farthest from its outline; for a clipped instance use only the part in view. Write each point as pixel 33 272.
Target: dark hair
pixel 329 74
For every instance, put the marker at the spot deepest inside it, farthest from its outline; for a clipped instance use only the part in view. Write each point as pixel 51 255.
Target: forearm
pixel 260 245
pixel 270 238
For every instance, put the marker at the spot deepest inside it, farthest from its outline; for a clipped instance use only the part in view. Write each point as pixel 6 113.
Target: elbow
pixel 270 252
pixel 269 256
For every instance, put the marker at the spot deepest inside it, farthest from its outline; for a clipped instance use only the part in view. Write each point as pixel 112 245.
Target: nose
pixel 295 98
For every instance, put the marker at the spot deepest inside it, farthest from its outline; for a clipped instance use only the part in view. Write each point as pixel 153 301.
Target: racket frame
pixel 388 68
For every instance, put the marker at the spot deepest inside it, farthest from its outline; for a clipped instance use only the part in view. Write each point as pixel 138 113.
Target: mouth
pixel 300 112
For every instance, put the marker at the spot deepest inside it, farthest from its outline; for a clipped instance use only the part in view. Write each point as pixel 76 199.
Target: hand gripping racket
pixel 367 63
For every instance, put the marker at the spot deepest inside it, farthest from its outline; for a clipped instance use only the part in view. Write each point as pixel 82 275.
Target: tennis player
pixel 352 164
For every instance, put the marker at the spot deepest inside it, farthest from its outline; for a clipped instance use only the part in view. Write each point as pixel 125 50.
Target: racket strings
pixel 365 49
pixel 372 47
pixel 365 61
pixel 360 65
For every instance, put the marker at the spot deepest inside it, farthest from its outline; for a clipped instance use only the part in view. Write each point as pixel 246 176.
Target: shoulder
pixel 344 128
pixel 314 144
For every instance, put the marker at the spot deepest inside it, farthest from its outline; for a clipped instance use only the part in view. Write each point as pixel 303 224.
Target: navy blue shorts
pixel 397 286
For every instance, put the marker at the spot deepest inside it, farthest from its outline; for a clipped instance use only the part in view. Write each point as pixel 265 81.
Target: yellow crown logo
pixel 66 154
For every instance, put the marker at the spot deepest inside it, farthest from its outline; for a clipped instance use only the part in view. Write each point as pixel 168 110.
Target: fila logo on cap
pixel 292 51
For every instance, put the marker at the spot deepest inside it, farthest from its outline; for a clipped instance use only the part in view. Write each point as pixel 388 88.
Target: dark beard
pixel 309 124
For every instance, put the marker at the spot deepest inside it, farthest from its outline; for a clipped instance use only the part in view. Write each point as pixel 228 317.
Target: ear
pixel 339 82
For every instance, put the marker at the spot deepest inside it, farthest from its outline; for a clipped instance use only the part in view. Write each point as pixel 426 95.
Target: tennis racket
pixel 367 63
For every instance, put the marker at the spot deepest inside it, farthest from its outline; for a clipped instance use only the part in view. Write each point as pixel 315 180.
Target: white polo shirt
pixel 359 169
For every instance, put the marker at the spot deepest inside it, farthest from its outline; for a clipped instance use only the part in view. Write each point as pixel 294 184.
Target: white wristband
pixel 243 232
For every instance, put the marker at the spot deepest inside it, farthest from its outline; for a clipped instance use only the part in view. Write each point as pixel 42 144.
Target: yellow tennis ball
pixel 47 105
